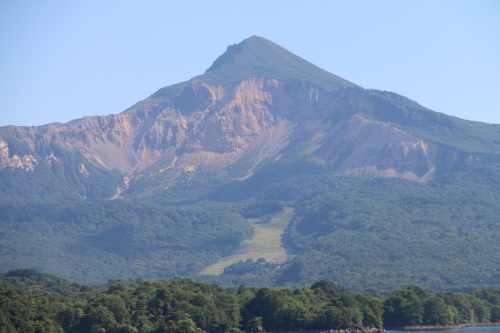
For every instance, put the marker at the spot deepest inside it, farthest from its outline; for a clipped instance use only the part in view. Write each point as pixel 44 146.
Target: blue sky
pixel 62 60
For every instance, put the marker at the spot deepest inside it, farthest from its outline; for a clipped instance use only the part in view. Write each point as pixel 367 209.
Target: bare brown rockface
pixel 217 125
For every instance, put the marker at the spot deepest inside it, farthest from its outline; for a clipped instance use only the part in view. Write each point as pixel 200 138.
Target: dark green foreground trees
pixel 415 306
pixel 34 302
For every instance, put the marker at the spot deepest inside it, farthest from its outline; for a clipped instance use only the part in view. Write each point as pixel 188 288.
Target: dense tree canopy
pixel 377 234
pixel 365 233
pixel 34 302
pixel 93 241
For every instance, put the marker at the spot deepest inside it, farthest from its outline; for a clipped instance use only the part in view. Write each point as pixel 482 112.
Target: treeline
pixel 34 302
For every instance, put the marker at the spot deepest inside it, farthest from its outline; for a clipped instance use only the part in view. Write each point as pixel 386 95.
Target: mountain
pixel 258 119
pixel 256 102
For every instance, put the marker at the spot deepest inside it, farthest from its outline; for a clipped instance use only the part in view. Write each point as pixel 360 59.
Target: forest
pixel 378 234
pixel 364 233
pixel 94 241
pixel 31 301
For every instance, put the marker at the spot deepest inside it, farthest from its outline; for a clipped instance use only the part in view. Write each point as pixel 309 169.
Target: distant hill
pixel 261 124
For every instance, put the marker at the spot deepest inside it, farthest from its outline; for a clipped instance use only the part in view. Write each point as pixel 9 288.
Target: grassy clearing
pixel 265 243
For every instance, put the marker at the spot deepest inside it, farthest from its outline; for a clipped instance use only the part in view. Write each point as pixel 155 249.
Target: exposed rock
pixel 256 118
pixel 26 162
pixel 83 170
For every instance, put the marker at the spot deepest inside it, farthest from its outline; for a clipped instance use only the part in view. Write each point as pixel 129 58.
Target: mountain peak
pixel 253 45
pixel 259 57
pixel 256 57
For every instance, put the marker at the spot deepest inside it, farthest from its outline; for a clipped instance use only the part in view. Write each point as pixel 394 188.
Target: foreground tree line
pixel 34 302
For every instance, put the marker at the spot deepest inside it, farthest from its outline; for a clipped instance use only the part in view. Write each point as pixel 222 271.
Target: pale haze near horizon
pixel 63 60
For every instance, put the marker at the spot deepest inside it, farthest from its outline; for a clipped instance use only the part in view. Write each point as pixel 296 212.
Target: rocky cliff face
pixel 258 102
pixel 255 119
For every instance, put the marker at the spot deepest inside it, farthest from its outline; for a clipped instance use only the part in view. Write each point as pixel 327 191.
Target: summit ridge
pixel 259 57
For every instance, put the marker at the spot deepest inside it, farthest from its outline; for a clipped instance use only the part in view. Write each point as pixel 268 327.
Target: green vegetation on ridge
pixel 260 58
pixel 405 114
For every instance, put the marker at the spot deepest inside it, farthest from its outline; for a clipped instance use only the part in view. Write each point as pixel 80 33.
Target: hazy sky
pixel 62 60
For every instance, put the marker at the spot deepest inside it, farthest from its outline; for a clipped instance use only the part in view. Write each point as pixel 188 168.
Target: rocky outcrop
pixel 24 162
pixel 217 125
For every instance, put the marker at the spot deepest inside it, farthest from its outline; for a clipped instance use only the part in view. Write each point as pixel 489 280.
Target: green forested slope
pixel 364 233
pixel 367 234
pixel 379 233
pixel 96 241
